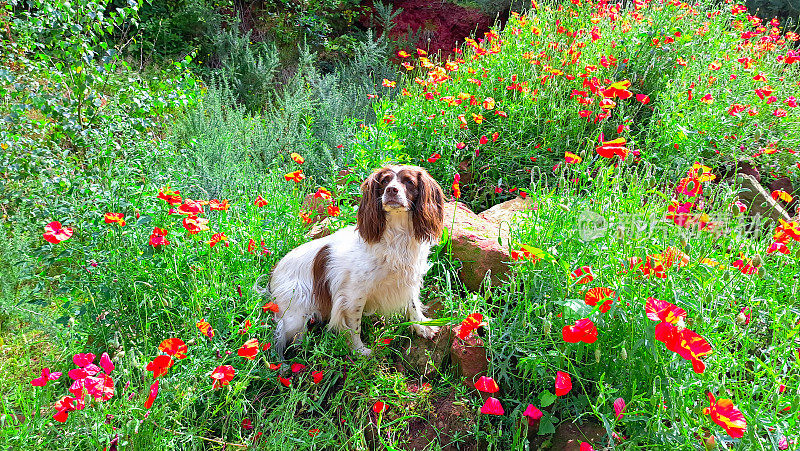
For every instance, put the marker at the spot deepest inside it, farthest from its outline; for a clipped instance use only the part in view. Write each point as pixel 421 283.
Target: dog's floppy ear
pixel 428 211
pixel 371 219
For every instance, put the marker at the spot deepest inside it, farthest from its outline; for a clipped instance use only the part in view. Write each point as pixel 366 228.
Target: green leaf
pixel 545 399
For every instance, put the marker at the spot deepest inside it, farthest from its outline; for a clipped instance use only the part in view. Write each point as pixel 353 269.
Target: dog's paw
pixel 426 331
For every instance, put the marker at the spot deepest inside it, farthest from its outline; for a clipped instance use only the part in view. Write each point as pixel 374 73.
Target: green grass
pixel 107 290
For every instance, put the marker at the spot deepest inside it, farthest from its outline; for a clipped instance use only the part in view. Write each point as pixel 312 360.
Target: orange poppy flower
pixel 618 89
pixel 249 349
pixel 600 294
pixel 297 158
pixel 333 210
pixel 725 414
pixel 478 118
pixel 583 275
pixel 658 310
pixel 205 328
pixel 684 342
pixel 297 176
pixel 388 83
pixel 215 204
pixel 323 193
pixel 174 347
pixel 195 225
pixel 160 365
pixel 777 194
pixel 470 323
pixel 222 376
pixel 217 238
pixel 613 147
pixel 403 54
pixel 489 103
pixel 571 158
pixel 112 218
pixel 270 306
pixel 171 197
pixel 54 233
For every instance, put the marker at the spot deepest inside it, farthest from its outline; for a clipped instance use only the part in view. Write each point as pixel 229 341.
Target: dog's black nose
pixel 391 190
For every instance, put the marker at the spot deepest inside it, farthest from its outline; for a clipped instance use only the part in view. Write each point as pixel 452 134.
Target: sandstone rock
pixel 469 357
pixel 475 244
pixel 428 357
pixel 508 211
pixel 758 201
pixel 321 229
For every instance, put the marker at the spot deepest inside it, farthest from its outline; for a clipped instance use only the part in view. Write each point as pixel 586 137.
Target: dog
pixel 376 266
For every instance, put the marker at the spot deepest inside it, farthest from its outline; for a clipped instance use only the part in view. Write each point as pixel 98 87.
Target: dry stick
pixel 213 440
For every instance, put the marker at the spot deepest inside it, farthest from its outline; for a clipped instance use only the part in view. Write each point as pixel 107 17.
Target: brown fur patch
pixel 428 218
pixel 371 218
pixel 321 290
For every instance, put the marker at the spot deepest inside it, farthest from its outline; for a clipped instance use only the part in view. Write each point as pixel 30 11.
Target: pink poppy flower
pixel 492 406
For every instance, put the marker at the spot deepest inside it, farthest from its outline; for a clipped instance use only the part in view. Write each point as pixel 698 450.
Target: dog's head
pixel 393 189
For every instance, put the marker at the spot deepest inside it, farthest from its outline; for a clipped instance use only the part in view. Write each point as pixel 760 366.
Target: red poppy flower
pixel 160 365
pixel 725 414
pixel 460 146
pixel 285 381
pixel 685 343
pixel 563 383
pixel 403 54
pixel 297 367
pixel 583 275
pixel 613 147
pixel 314 432
pixel 488 103
pixel 600 294
pixel 54 233
pixel 777 246
pixel 296 176
pixel 658 310
pixel 487 385
pixel 492 406
pixel 618 89
pixel 586 446
pixel 334 210
pixel 433 158
pixel 46 375
pixel 297 158
pixel 63 406
pixel 388 83
pixel 106 363
pixel 470 323
pixel 584 330
pixel 378 407
pixel 270 306
pixel 690 186
pixel 260 202
pixel 218 238
pixel 153 393
pixel 190 208
pixel 643 98
pixel 619 408
pixel 533 414
pixel 171 197
pixel 316 376
pixel 159 237
pixel 222 376
pixel 114 218
pixel 782 195
pixel 495 136
pixel 456 187
pixel 745 267
pixel 205 328
pixel 249 349
pixel 274 367
pixel 83 359
pixel 195 225
pixel 323 193
pixel 247 424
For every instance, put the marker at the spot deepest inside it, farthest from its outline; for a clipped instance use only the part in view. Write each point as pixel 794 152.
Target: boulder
pixel 480 245
pixel 470 358
pixel 427 357
pixel 508 211
pixel 316 207
pixel 758 201
pixel 321 229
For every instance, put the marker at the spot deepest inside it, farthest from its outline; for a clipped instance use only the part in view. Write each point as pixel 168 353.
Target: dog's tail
pixel 262 291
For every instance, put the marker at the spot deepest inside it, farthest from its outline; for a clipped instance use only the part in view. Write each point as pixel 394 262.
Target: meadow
pixel 645 307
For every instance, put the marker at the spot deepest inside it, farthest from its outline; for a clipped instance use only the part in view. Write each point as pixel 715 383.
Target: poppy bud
pixel 583 154
pixel 564 207
pixel 741 319
pixel 547 325
pixel 762 271
pixel 624 354
pixel 726 276
pixel 597 355
pixel 684 242
pixel 757 260
pixel 620 233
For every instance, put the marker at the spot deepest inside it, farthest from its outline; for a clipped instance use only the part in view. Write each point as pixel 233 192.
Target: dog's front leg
pixel 350 313
pixel 416 313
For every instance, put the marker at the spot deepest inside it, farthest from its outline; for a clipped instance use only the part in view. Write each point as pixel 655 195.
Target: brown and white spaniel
pixel 376 266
